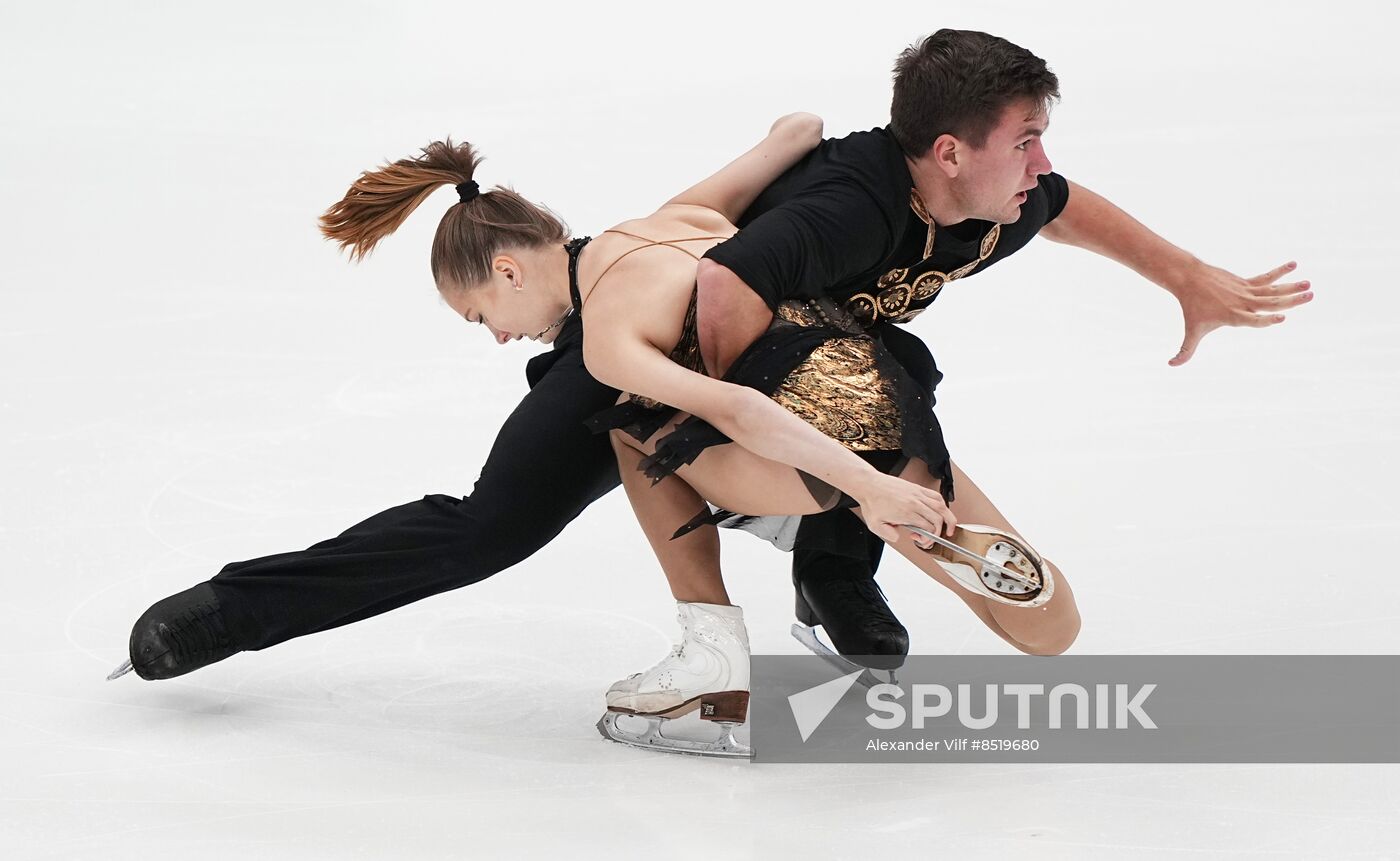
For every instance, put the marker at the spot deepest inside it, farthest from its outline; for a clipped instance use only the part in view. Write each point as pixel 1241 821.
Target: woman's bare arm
pixel 622 353
pixel 734 188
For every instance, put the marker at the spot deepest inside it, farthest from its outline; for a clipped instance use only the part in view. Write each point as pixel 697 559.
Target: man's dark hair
pixel 958 82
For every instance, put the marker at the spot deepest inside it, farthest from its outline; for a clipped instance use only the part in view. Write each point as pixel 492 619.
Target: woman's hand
pixel 889 501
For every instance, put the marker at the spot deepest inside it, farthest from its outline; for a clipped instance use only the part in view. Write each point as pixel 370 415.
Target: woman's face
pixel 508 305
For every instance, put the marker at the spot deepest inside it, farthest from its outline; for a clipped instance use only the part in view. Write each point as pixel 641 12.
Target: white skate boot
pixel 708 672
pixel 993 563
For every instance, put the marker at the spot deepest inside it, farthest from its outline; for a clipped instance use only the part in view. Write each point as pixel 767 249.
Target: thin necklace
pixel 557 323
pixel 572 248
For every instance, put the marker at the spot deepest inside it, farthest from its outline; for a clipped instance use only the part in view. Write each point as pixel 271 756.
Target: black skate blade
pixel 807 636
pixel 125 668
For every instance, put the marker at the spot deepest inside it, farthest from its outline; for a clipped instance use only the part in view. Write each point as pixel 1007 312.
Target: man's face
pixel 995 178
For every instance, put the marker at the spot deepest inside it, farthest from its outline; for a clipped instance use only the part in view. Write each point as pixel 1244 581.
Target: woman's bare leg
pixel 737 479
pixel 691 563
pixel 1045 630
pixel 726 475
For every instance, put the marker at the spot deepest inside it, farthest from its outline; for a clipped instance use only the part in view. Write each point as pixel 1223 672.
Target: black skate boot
pixel 178 635
pixel 856 618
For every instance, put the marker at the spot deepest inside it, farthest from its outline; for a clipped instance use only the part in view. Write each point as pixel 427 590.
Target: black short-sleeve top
pixel 843 223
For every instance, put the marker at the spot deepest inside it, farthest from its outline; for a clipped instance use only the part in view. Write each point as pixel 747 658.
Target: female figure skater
pixel 820 416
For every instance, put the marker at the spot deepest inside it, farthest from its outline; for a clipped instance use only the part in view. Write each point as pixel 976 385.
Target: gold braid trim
pixel 893 295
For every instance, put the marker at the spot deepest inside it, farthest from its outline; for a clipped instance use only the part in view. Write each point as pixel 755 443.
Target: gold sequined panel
pixel 838 390
pixel 798 312
pixel 818 312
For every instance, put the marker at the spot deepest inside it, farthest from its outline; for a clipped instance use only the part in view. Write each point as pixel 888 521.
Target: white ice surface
pixel 192 377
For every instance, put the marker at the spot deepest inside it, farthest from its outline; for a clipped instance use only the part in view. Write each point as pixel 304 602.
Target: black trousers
pixel 544 468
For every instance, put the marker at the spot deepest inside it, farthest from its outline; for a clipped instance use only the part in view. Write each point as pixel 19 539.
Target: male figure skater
pixel 881 219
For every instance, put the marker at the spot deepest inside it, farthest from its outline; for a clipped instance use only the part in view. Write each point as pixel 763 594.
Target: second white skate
pixel 706 673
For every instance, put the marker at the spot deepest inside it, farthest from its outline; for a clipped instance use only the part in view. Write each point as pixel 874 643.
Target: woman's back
pixel 638 279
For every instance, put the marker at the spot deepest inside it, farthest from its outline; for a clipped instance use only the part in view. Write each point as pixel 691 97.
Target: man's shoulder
pixel 876 141
pixel 866 163
pixel 870 155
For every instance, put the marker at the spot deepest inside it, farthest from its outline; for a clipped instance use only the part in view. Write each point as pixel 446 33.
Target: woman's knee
pixel 624 444
pixel 1054 640
pixel 1052 637
pixel 620 444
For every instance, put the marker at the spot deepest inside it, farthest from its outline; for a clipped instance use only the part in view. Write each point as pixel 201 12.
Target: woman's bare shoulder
pixel 622 254
pixel 679 221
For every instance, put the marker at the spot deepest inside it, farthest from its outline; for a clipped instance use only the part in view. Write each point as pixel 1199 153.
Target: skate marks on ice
pixel 458 388
pixel 507 680
pixel 215 494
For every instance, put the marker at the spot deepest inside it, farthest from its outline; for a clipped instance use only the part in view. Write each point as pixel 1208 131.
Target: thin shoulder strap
pixel 669 243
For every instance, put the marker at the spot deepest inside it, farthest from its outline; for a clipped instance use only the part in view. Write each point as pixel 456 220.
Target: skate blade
pixel 610 727
pixel 968 577
pixel 807 636
pixel 125 668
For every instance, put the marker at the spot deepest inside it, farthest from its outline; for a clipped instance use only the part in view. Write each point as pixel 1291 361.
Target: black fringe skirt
pixel 817 362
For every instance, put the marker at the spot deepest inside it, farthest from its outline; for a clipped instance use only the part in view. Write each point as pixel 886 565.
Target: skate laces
pixel 872 606
pixel 197 631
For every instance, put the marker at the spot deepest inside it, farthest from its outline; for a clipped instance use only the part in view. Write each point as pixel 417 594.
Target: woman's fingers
pixel 934 516
pixel 887 532
pixel 920 541
pixel 945 514
pixel 912 507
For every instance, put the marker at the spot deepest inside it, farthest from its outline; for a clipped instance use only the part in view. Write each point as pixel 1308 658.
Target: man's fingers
pixel 1188 347
pixel 1270 291
pixel 1273 274
pixel 1261 321
pixel 1280 303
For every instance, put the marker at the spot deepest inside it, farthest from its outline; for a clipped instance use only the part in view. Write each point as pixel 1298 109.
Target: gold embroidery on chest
pixel 893 295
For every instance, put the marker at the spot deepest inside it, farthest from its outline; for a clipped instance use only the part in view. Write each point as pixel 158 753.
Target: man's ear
pixel 946 154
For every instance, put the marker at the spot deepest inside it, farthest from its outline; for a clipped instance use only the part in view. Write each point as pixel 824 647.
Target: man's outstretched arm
pixel 1210 297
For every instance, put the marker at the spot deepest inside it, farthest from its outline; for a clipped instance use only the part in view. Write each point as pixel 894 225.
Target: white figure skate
pixel 990 562
pixel 708 673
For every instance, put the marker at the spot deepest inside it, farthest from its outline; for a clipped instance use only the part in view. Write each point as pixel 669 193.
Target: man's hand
pixel 729 316
pixel 1211 297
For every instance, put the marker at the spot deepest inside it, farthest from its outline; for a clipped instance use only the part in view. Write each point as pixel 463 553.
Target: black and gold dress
pixel 817 361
